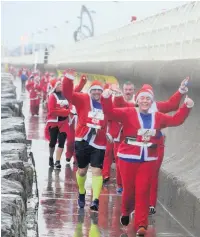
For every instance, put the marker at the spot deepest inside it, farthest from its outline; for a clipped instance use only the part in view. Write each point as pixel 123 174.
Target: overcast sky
pixel 24 18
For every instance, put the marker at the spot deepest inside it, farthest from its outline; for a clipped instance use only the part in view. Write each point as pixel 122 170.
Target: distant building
pixel 28 49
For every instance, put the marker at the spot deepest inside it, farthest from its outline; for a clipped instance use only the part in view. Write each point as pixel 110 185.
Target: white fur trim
pixel 153 108
pixel 109 137
pixel 145 94
pixel 135 157
pixel 183 91
pixel 34 98
pixel 95 87
pixel 90 125
pixel 69 76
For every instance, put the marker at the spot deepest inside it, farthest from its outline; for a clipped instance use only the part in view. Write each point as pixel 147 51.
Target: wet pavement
pixel 59 214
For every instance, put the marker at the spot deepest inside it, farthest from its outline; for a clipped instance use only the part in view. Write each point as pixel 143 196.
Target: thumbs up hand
pixel 183 89
pixel 189 102
pixel 107 93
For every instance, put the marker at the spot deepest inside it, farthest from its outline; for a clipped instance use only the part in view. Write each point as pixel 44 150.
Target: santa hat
pixel 95 85
pixel 53 84
pixel 146 90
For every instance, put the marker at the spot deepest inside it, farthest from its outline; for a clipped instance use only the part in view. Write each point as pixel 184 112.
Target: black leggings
pixel 23 85
pixel 55 135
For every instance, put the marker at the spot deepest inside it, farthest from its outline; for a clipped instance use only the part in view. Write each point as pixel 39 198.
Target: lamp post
pixel 46 37
pixel 33 42
pixel 22 45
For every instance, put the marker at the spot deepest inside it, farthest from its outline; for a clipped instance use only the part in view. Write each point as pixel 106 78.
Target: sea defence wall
pixel 160 50
pixel 19 198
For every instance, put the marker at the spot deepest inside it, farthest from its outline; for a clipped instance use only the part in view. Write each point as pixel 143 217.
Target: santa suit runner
pixel 94 120
pixel 73 120
pixel 34 90
pixel 95 125
pixel 138 154
pixel 57 115
pixel 147 124
pixel 44 85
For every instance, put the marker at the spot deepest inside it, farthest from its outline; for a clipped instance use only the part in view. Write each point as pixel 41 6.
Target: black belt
pixel 130 138
pixel 134 139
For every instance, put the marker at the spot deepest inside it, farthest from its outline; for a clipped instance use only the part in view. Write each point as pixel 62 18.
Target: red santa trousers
pixel 108 159
pixel 34 106
pixel 154 184
pixel 136 181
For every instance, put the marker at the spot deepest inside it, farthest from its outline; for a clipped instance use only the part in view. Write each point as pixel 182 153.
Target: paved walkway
pixel 59 214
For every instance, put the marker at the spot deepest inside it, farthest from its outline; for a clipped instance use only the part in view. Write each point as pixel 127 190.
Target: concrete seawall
pixel 179 188
pixel 19 199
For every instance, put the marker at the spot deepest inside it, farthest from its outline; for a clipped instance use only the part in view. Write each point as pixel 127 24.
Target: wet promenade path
pixel 59 215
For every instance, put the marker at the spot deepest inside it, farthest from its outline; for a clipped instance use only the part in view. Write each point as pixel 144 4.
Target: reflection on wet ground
pixel 59 214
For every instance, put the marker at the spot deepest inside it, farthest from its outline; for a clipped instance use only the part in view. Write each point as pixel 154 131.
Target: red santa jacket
pixel 44 83
pixel 88 117
pixel 162 106
pixel 137 139
pixel 34 89
pixel 73 114
pixel 57 107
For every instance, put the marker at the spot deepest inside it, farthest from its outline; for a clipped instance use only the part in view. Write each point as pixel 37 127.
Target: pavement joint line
pixel 172 216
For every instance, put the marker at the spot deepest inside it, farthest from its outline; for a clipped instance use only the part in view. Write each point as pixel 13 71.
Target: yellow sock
pixel 97 182
pixel 81 183
pixel 78 230
pixel 94 231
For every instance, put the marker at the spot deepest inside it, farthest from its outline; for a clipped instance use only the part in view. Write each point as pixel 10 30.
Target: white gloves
pixel 109 138
pixel 73 110
pixel 107 93
pixel 189 102
pixel 116 90
pixel 183 89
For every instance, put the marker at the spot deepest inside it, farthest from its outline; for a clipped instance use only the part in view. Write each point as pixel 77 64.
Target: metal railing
pixel 170 35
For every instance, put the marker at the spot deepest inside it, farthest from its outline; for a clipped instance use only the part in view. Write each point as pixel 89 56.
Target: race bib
pixel 95 119
pixel 96 115
pixel 146 134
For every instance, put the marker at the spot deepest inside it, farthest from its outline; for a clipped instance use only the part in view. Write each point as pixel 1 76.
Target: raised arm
pixel 179 117
pixel 67 90
pixel 81 84
pixel 119 102
pixel 68 85
pixel 116 114
pixel 172 104
pixel 56 111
